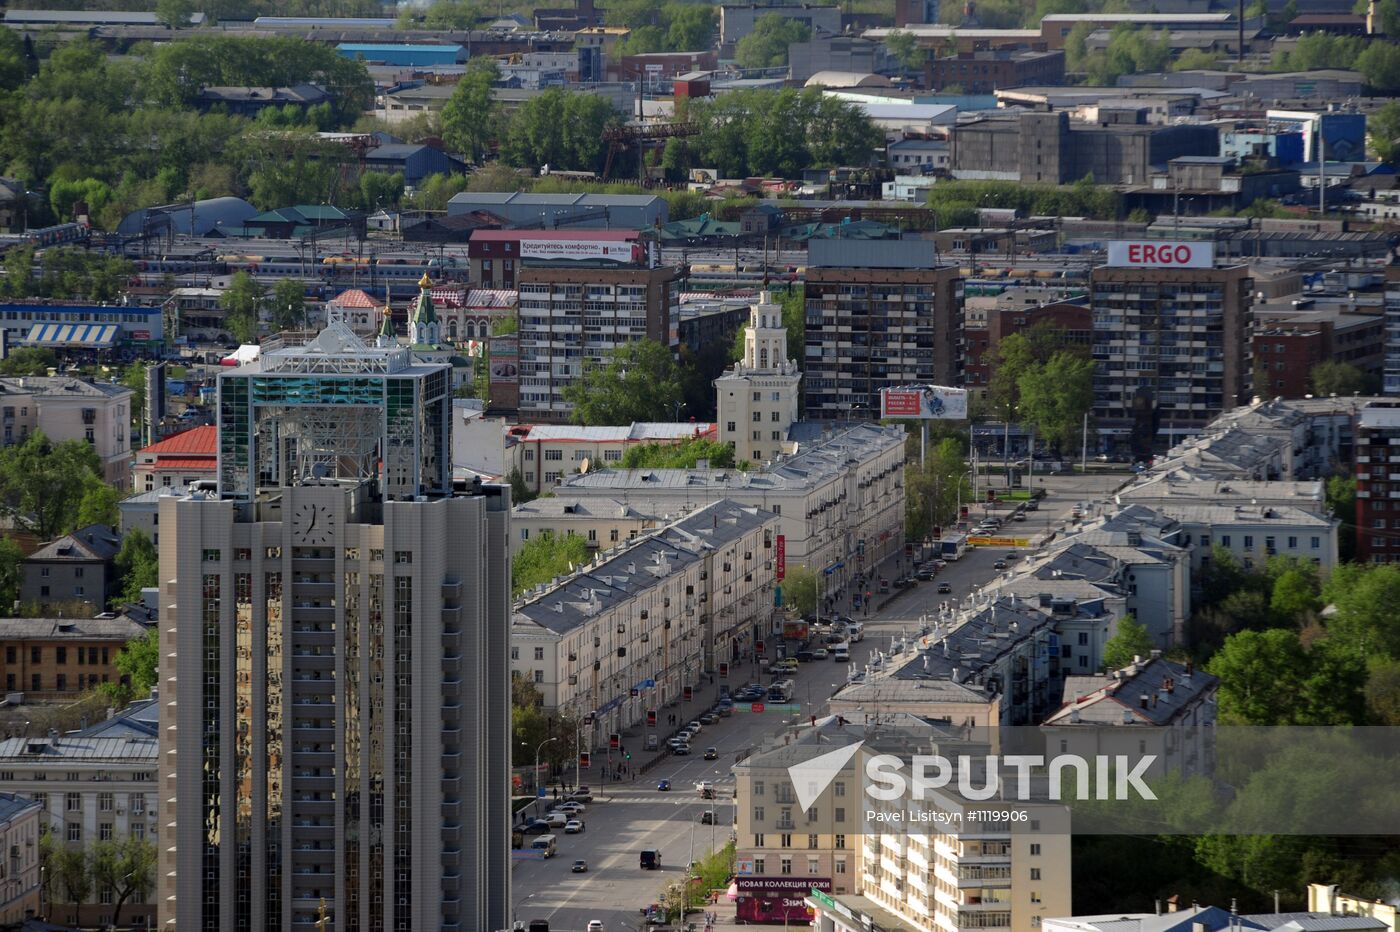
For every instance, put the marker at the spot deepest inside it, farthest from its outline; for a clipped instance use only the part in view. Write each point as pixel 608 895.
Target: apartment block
pixel 335 724
pixel 757 398
pixel 880 314
pixel 840 499
pixel 1378 484
pixel 57 659
pixel 577 312
pixel 544 454
pixel 603 524
pixel 95 784
pixel 1391 370
pixel 19 869
pixel 98 413
pixel 76 570
pixel 629 632
pixel 1172 344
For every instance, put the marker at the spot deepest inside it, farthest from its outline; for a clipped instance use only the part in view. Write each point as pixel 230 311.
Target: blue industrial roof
pixel 393 47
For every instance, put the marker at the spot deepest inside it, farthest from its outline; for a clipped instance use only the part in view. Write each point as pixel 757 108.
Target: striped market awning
pixel 80 335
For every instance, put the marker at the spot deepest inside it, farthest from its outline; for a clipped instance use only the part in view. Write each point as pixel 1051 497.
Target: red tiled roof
pixel 201 441
pixel 186 464
pixel 354 297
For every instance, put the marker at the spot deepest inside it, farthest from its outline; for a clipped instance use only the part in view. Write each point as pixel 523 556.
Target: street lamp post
pixel 539 747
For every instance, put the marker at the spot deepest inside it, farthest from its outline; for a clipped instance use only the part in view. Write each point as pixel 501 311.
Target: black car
pixel 999 565
pixel 944 588
pixel 537 827
pixel 925 573
pixel 804 656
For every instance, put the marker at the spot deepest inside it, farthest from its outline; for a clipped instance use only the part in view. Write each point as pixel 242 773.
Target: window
pixel 840 842
pixel 839 787
pixel 1248 541
pixel 758 813
pixel 1035 896
pixel 729 427
pixel 785 866
pixel 138 830
pixel 524 533
pixel 1083 639
pixel 515 653
pixel 138 803
pixel 539 676
pixel 104 802
pixel 62 682
pixel 785 841
pixel 814 865
pixel 758 435
pixel 840 864
pixel 757 396
pixel 539 653
pixel 61 655
pixel 72 802
pixel 553 455
pixel 1035 873
pixel 777 435
pixel 811 841
pixel 612 535
pixel 402 557
pixel 10 653
pixel 758 863
pixel 1035 850
pixel 776 396
pixel 757 416
pixel 840 814
pixel 757 788
pixel 75 831
pixel 104 831
pixel 1316 543
pixel 1224 540
pixel 211 556
pixel 777 416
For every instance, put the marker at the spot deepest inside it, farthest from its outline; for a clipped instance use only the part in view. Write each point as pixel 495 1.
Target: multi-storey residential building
pixel 60 658
pixel 177 460
pixel 577 312
pixel 1378 483
pixel 1254 533
pixel 757 398
pixel 1391 371
pixel 1084 608
pixel 629 632
pixel 97 784
pixel 1171 342
pixel 544 454
pixel 840 500
pixel 75 569
pixel 19 867
pixel 603 524
pixel 996 663
pixel 335 724
pixel 1151 707
pixel 72 409
pixel 879 314
pixel 1163 490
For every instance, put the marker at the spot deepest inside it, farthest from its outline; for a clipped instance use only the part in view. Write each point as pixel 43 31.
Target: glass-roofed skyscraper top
pixel 336 408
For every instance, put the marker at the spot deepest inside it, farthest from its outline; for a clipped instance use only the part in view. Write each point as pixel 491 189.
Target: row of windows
pixel 60 682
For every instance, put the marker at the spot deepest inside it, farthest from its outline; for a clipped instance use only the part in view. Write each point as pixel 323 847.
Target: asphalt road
pixel 627 817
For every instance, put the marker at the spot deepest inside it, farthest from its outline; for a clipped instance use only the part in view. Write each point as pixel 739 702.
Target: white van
pixel 547 844
pixel 841 652
pixel 856 631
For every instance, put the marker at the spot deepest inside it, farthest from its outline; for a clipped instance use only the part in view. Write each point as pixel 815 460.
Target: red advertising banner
pixel 782 556
pixel 776 899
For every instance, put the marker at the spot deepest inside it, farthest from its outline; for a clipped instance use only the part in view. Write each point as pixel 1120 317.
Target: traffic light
pixel 614 741
pixel 651 716
pixel 588 718
pixel 583 759
pixel 626 755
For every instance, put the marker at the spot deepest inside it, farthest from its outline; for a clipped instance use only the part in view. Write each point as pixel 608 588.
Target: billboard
pixel 1134 254
pixel 611 250
pixel 781 570
pixel 924 402
pixel 776 899
pixel 505 359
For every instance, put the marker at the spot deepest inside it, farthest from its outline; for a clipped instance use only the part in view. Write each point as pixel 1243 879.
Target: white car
pixel 573 826
pixel 571 808
pixel 595 925
pixel 556 819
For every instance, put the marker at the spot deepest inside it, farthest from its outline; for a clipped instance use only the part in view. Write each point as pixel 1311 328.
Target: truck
pixel 841 652
pixel 855 631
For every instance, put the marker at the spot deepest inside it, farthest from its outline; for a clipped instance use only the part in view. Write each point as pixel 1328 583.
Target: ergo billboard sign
pixel 1136 254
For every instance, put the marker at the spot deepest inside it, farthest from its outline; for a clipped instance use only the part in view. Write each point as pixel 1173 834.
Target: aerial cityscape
pixel 881 466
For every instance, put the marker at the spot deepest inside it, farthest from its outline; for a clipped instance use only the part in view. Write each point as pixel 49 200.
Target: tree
pixel 1383 691
pixel 933 491
pixel 1338 378
pixel 1383 130
pixel 560 129
pixel 1129 641
pixel 98 505
pixel 63 195
pixel 800 589
pixel 640 382
pixel 1364 600
pixel 1268 678
pixel 122 870
pixel 1341 504
pixel 905 48
pixel 137 565
pixel 545 557
pixel 1056 396
pixel 767 45
pixel 519 491
pixel 42 483
pixel 288 304
pixel 11 573
pixel 679 456
pixel 1294 600
pixel 28 360
pixel 381 189
pixel 781 132
pixel 70 868
pixel 531 725
pixel 241 301
pixel 692 27
pixel 469 118
pixel 174 13
pixel 1379 64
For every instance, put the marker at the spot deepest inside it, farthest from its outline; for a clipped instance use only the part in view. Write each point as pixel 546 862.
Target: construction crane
pixel 621 138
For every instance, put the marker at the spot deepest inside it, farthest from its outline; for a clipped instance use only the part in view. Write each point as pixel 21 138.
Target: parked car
pixel 681 750
pixel 804 656
pixel 925 573
pixel 537 827
pixel 580 866
pixel 572 807
pixel 555 819
pixel 709 718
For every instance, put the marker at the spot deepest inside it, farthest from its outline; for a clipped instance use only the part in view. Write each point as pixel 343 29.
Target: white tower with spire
pixel 757 398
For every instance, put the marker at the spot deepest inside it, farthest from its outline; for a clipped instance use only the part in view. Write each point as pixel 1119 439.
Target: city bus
pixel 952 546
pixel 780 691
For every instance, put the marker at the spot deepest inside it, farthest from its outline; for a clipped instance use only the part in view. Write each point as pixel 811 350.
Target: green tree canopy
pixel 122 869
pixel 1056 396
pixel 242 302
pixel 905 48
pixel 800 589
pixel 28 360
pixel 680 455
pixel 98 505
pixel 42 483
pixel 1332 377
pixel 1383 131
pixel 545 557
pixel 289 303
pixel 640 382
pixel 11 573
pixel 780 132
pixel 1131 640
pixel 470 117
pixel 766 46
pixel 137 566
pixel 1269 678
pixel 932 493
pixel 561 129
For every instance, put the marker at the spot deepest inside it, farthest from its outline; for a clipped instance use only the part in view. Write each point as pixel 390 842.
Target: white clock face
pixel 315 524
